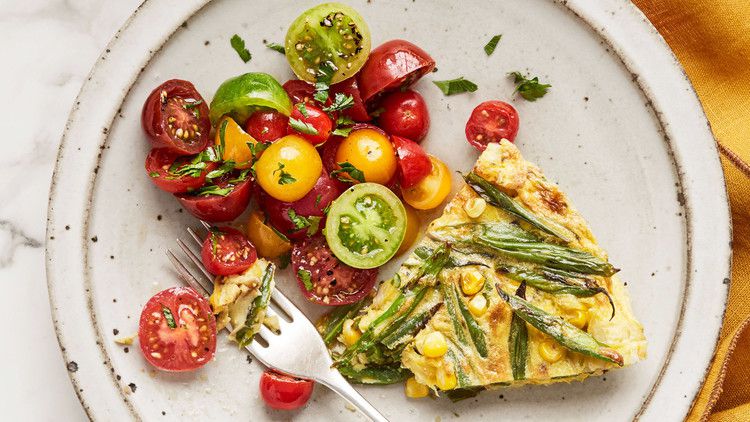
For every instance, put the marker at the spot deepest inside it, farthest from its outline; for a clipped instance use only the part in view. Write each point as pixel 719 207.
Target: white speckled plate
pixel 621 131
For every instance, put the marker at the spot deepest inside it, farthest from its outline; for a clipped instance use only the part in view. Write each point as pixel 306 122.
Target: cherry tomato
pixel 413 225
pixel 267 125
pixel 357 111
pixel 330 282
pixel 300 91
pixel 405 114
pixel 284 392
pixel 289 168
pixel 308 210
pixel 371 152
pixel 491 121
pixel 177 330
pixel 413 163
pixel 175 117
pixel 169 172
pixel 316 123
pixel 235 141
pixel 225 206
pixel 268 243
pixel 227 251
pixel 394 64
pixel 432 190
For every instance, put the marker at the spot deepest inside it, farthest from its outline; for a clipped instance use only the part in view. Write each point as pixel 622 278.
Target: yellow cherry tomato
pixel 432 190
pixel 289 168
pixel 267 242
pixel 370 152
pixel 412 230
pixel 235 142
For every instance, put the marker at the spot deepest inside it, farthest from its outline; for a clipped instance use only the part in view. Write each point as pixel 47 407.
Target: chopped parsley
pixel 225 168
pixel 214 190
pixel 348 168
pixel 302 127
pixel 343 127
pixel 456 86
pixel 317 199
pixel 303 109
pixel 154 174
pixel 300 222
pixel 340 102
pixel 194 104
pixel 323 81
pixel 306 278
pixel 276 47
pixel 238 44
pixel 284 177
pixel 530 89
pixel 168 316
pixel 492 45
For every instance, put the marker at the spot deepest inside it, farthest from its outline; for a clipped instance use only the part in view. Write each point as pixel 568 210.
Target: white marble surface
pixel 48 49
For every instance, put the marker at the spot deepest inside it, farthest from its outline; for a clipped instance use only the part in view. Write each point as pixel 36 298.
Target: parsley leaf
pixel 323 81
pixel 342 131
pixel 303 109
pixel 314 225
pixel 318 197
pixel 341 126
pixel 490 47
pixel 353 172
pixel 193 169
pixel 302 127
pixel 300 222
pixel 306 278
pixel 456 86
pixel 194 104
pixel 340 102
pixel 530 89
pixel 281 235
pixel 222 138
pixel 168 316
pixel 238 44
pixel 225 168
pixel 154 174
pixel 214 190
pixel 276 47
pixel 284 177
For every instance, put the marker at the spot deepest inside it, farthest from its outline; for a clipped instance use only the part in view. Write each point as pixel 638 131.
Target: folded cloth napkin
pixel 711 38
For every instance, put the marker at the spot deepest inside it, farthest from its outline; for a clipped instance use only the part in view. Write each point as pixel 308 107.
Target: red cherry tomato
pixel 313 119
pixel 175 116
pixel 159 164
pixel 177 330
pixel 392 65
pixel 413 163
pixel 311 205
pixel 331 281
pixel 218 208
pixel 227 251
pixel 357 111
pixel 300 91
pixel 405 114
pixel 491 121
pixel 266 125
pixel 284 392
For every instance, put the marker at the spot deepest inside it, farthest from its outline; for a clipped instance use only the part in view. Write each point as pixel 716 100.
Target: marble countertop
pixel 49 47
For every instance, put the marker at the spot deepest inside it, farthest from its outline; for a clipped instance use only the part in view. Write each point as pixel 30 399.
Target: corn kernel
pixel 474 207
pixel 551 351
pixel 446 380
pixel 478 305
pixel 580 318
pixel 415 390
pixel 350 333
pixel 472 282
pixel 433 345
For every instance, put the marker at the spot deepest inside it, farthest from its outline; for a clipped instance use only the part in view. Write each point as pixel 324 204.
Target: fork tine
pixel 196 260
pixel 205 225
pixel 286 305
pixel 195 236
pixel 184 273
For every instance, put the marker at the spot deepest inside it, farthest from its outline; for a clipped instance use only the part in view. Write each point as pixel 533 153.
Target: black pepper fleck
pixel 249 359
pixel 132 387
pixel 126 350
pixel 158 217
pixel 115 331
pixel 72 366
pixel 95 239
pixel 67 227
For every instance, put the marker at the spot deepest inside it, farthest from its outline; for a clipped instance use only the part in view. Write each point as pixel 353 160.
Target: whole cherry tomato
pixel 289 168
pixel 491 121
pixel 404 113
pixel 370 152
pixel 394 64
pixel 267 125
pixel 311 123
pixel 284 392
pixel 413 163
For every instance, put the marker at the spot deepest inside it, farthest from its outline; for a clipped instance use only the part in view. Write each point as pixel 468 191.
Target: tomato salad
pixel 331 160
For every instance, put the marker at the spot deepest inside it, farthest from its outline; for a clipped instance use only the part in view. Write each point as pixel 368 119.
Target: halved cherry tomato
pixel 235 141
pixel 432 190
pixel 268 243
pixel 369 151
pixel 413 163
pixel 243 95
pixel 491 121
pixel 233 198
pixel 173 173
pixel 357 111
pixel 405 114
pixel 300 91
pixel 177 330
pixel 175 117
pixel 267 125
pixel 227 251
pixel 324 279
pixel 284 392
pixel 413 225
pixel 296 219
pixel 289 168
pixel 312 123
pixel 394 64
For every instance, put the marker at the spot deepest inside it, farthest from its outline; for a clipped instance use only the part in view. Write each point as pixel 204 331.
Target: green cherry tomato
pixel 366 225
pixel 329 32
pixel 241 96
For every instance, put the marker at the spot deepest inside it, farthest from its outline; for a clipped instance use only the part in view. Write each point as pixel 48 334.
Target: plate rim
pixel 597 17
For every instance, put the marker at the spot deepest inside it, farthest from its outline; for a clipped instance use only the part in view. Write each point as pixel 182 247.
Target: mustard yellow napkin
pixel 711 38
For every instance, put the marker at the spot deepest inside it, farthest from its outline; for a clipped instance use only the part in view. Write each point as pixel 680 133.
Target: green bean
pixel 461 377
pixel 475 331
pixel 257 310
pixel 418 294
pixel 409 328
pixel 563 332
pixel 458 394
pixel 450 305
pixel 496 197
pixel 335 320
pixel 387 374
pixel 518 345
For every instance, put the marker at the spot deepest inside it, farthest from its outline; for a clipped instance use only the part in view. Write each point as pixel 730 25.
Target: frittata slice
pixel 508 287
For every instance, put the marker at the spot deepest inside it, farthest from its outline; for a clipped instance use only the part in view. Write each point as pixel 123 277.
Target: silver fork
pixel 296 349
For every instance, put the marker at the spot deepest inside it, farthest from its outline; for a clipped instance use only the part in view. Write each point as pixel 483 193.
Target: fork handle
pixel 336 382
